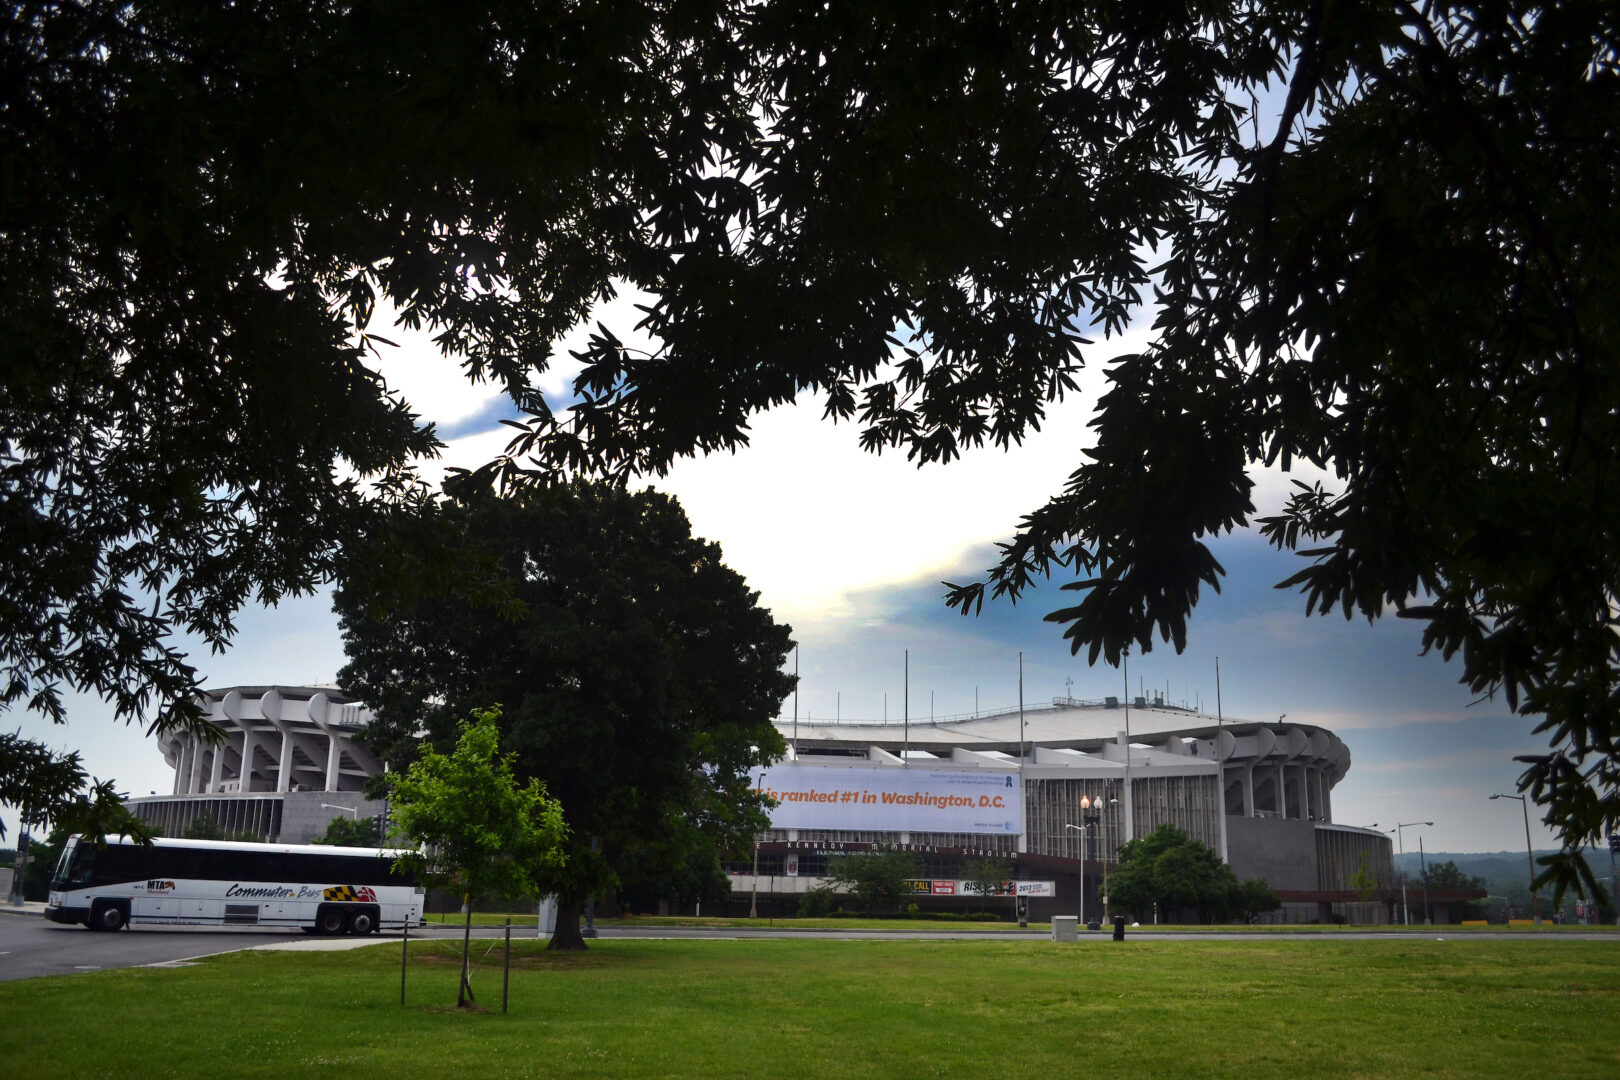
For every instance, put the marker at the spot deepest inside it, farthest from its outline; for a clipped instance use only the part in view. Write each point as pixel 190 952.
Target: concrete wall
pixel 303 819
pixel 1281 850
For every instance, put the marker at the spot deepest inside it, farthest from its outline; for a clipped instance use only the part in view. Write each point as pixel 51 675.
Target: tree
pixel 683 865
pixel 480 831
pixel 877 878
pixel 1365 236
pixel 987 877
pixel 1448 875
pixel 638 674
pixel 1170 869
pixel 48 786
pixel 1364 883
pixel 1256 898
pixel 204 827
pixel 352 832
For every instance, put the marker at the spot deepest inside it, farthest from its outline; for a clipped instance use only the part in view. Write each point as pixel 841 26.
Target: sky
pixel 850 549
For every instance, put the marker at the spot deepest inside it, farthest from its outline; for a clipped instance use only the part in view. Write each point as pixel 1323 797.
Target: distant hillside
pixel 1507 877
pixel 1506 865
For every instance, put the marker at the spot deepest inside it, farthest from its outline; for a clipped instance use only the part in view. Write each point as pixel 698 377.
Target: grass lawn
pixel 1288 1007
pixel 528 920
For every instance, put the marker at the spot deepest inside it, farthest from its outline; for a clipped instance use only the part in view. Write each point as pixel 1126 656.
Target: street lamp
pixel 350 809
pixel 1406 912
pixel 1081 829
pixel 1529 856
pixel 753 902
pixel 1091 818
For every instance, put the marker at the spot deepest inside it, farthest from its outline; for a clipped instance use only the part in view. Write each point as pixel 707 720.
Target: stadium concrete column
pixel 179 766
pixel 270 705
pixel 193 773
pixel 319 711
pixel 231 706
pixel 216 765
pixel 1248 789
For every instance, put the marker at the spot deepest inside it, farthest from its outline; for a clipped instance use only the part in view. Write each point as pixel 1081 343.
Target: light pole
pixel 753 903
pixel 1406 912
pixel 1424 868
pixel 1529 856
pixel 353 810
pixel 1081 829
pixel 1091 820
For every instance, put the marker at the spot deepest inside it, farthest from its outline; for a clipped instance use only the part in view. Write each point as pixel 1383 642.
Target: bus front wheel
pixel 330 920
pixel 107 917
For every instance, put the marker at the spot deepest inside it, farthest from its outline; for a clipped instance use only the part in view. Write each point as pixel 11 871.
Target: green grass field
pixel 1288 1007
pixel 528 920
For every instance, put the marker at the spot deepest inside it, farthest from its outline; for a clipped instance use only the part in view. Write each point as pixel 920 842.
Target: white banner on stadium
pixel 893 800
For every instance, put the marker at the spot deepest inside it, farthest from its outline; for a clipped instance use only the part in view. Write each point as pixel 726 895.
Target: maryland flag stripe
pixel 349 892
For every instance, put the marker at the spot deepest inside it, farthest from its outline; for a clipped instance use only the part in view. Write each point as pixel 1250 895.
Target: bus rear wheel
pixel 107 917
pixel 362 922
pixel 330 920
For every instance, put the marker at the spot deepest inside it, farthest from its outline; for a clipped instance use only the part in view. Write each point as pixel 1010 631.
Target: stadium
pixel 285 765
pixel 1092 774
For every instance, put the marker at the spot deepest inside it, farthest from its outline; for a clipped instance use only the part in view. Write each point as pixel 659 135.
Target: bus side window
pixel 117 863
pixel 214 865
pixel 311 868
pixel 184 863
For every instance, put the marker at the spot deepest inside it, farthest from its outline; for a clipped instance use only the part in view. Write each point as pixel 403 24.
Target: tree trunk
pixel 567 935
pixel 464 994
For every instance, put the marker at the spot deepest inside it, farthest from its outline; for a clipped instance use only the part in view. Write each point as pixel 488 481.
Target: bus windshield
pixel 77 863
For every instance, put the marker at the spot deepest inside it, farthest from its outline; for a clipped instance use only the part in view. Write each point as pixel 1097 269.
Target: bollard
pixel 1119 928
pixel 404 957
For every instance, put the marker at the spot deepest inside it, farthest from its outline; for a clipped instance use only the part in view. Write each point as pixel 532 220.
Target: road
pixel 30 946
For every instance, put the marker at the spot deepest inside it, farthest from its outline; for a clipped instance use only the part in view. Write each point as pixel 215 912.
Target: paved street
pixel 30 946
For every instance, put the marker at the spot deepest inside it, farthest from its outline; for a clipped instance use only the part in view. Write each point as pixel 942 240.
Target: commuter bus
pixel 320 890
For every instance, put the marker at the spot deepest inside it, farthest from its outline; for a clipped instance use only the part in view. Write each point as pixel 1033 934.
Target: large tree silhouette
pixel 636 673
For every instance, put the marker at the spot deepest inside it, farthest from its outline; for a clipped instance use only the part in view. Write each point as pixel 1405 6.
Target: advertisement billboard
pixel 918 800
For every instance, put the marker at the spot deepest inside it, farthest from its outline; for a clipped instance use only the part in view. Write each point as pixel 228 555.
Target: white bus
pixel 321 890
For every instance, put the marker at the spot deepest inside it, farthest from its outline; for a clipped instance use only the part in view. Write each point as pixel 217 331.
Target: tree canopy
pixel 1372 238
pixel 351 832
pixel 637 673
pixel 876 878
pixel 1172 872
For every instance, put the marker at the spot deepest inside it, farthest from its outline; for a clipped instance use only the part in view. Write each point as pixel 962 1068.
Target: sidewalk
pixel 27 907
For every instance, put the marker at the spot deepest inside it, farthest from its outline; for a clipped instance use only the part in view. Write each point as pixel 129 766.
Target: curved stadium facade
pixel 1260 793
pixel 1092 775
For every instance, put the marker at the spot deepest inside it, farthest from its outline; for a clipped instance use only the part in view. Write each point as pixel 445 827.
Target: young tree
pixel 877 878
pixel 1366 234
pixel 986 877
pixel 480 830
pixel 1364 883
pixel 639 675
